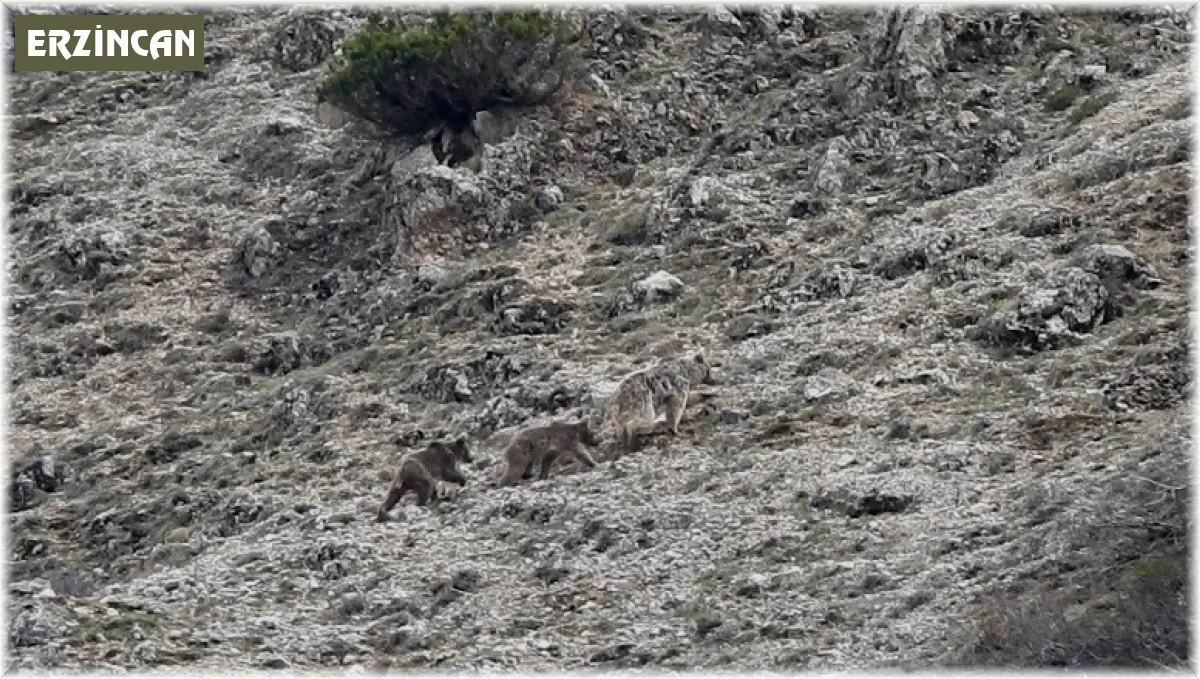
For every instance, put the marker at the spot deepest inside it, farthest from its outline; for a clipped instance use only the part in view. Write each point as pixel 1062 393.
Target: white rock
pixel 1094 72
pixel 833 167
pixel 601 86
pixel 722 16
pixel 787 40
pixel 658 285
pixel 703 190
pixel 112 242
pixel 258 250
pixel 425 198
pixel 828 383
pixel 418 158
pixel 431 274
pixel 282 125
pixel 493 127
pixel 28 587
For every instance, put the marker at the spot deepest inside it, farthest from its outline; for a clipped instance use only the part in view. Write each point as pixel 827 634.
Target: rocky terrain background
pixel 940 257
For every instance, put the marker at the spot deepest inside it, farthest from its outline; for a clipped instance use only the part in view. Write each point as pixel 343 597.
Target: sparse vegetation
pixel 1088 108
pixel 412 78
pixel 948 330
pixel 1133 612
pixel 1062 98
pixel 1052 45
pixel 1136 619
pixel 1179 110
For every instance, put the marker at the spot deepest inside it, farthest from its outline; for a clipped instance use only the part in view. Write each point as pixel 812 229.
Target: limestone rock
pixel 419 158
pixel 1116 263
pixel 431 204
pixel 305 41
pixel 258 252
pixel 658 286
pixel 33 625
pixel 1050 317
pixel 907 46
pixel 281 356
pixel 834 166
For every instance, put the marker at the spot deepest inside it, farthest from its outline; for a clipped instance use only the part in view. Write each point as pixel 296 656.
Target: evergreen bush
pixel 411 79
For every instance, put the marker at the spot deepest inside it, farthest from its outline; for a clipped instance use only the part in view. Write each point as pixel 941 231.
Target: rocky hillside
pixel 939 257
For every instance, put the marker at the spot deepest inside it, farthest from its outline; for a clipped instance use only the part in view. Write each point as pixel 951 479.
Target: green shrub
pixel 411 79
pixel 1062 98
pixel 1089 107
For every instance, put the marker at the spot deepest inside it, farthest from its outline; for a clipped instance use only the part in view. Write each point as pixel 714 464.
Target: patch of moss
pixel 1088 108
pixel 1156 568
pixel 1062 98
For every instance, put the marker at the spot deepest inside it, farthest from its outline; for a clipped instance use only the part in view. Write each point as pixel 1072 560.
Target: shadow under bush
pixel 412 79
